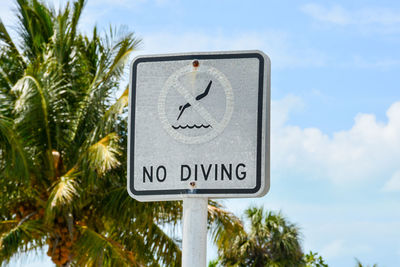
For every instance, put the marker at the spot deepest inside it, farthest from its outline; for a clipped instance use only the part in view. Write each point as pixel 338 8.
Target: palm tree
pixel 270 241
pixel 359 264
pixel 63 148
pixel 312 259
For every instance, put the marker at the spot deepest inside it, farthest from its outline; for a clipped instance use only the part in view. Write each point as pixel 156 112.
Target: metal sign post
pixel 199 129
pixel 194 243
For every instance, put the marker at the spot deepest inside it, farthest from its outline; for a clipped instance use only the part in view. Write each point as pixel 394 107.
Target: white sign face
pixel 199 125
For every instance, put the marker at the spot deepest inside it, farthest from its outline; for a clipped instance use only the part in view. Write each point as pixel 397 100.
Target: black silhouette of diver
pixel 200 96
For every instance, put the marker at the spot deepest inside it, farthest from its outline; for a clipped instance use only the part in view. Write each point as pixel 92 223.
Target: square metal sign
pixel 199 125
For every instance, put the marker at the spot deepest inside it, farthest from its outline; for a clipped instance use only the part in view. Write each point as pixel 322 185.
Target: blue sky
pixel 335 142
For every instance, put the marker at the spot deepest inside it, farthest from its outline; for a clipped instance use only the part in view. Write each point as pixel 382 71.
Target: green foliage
pixel 63 148
pixel 213 263
pixel 314 260
pixel 270 241
pixel 359 264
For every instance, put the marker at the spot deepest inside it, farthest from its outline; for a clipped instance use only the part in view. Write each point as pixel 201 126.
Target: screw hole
pixel 195 63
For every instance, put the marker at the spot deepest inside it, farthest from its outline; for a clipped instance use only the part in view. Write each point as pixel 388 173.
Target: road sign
pixel 199 125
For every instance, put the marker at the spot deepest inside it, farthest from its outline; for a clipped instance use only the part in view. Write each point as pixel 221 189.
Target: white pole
pixel 194 234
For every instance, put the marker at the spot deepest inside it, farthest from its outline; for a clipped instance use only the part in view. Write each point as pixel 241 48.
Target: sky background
pixel 335 134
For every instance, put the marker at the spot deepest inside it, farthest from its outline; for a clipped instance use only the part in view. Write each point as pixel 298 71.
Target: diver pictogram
pixel 200 96
pixel 193 115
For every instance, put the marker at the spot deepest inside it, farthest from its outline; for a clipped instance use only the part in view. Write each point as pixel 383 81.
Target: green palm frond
pixel 25 90
pixel 155 247
pixel 116 109
pixel 11 149
pixel 359 264
pixel 106 124
pixel 6 226
pixel 121 46
pixel 10 45
pixel 18 239
pixel 31 117
pixel 270 241
pixel 63 148
pixel 118 204
pixel 76 14
pixel 312 259
pixel 163 247
pixel 148 237
pixel 223 223
pixel 102 156
pixel 106 74
pixel 5 36
pixel 64 190
pixel 94 249
pixel 30 97
pixel 35 26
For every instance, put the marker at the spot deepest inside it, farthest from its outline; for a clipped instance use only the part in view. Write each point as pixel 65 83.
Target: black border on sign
pixel 259 124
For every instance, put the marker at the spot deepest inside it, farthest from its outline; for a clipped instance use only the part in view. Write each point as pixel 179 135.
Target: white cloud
pixel 383 64
pixel 368 151
pixel 333 249
pixel 284 51
pixel 349 239
pixel 274 43
pixel 335 14
pixel 281 109
pixel 393 185
pixel 384 18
